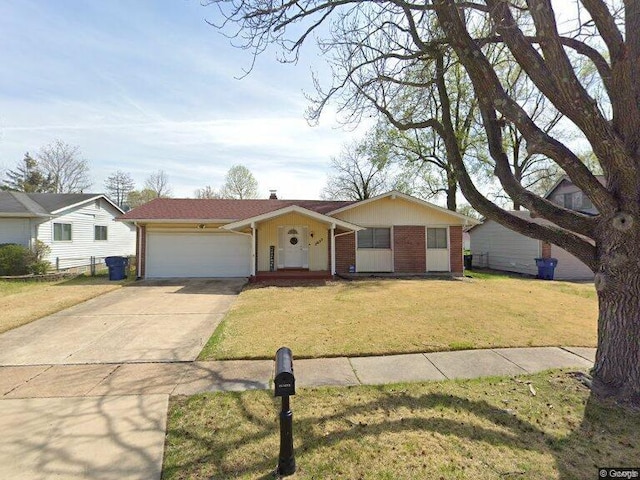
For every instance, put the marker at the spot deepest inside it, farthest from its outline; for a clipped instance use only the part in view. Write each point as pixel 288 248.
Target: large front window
pixel 374 238
pixel 62 232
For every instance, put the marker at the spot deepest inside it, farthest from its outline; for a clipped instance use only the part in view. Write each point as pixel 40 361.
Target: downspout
pixel 333 249
pixel 253 249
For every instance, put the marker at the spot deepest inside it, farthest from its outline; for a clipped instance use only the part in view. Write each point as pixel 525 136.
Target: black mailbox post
pixel 285 385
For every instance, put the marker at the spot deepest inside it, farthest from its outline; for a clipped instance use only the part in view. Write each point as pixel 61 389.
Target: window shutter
pixel 280 247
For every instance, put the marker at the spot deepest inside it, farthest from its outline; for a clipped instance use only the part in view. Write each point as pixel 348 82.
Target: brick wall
pixel 455 250
pixel 345 252
pixel 409 249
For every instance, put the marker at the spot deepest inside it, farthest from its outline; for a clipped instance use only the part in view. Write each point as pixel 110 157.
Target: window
pixel 374 238
pixel 586 202
pixel 436 238
pixel 61 232
pixel 568 201
pixel 100 232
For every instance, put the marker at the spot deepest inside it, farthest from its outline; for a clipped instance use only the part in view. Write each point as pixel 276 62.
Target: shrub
pixel 14 259
pixel 19 260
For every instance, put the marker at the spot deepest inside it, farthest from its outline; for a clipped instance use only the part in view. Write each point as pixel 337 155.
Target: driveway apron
pixel 161 321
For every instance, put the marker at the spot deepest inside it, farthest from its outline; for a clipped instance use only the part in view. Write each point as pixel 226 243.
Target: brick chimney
pixel 272 195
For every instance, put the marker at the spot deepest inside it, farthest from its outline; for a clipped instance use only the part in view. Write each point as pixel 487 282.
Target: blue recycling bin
pixel 117 267
pixel 546 267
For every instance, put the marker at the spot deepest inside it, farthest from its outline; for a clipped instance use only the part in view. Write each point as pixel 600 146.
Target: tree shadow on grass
pixel 477 427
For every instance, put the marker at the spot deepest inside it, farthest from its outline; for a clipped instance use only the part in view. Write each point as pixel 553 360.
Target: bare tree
pixel 63 163
pixel 373 43
pixel 118 185
pixel 158 183
pixel 206 192
pixel 239 183
pixel 355 175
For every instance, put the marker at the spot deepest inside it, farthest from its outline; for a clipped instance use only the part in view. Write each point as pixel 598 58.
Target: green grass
pixel 477 429
pixel 22 302
pixel 375 317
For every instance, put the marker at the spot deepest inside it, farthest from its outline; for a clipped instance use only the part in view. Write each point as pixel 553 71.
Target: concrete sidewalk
pixel 188 378
pixel 106 421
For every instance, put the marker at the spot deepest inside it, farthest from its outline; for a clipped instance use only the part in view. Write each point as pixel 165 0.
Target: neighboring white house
pixel 497 247
pixel 76 227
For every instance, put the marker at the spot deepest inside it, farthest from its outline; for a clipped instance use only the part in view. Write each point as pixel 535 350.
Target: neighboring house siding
pixel 567 189
pixel 120 236
pixel 410 254
pixel 268 235
pixel 497 247
pixel 569 267
pixel 15 230
pixel 455 249
pixel 345 252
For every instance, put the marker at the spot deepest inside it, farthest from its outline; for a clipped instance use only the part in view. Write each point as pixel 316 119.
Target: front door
pixel 293 247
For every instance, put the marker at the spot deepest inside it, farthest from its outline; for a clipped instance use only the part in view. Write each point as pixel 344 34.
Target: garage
pixel 197 255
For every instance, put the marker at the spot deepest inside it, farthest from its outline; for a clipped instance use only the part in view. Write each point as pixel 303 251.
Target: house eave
pixel 88 200
pixel 247 222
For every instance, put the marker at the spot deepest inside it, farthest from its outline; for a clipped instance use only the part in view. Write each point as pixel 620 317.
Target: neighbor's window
pixel 374 238
pixel 100 232
pixel 436 238
pixel 62 232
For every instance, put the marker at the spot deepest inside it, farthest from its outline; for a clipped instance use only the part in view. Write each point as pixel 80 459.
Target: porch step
pixel 292 274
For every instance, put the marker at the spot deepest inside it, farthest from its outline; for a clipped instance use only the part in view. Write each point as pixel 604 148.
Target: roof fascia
pixel 90 199
pixel 296 209
pixel 175 220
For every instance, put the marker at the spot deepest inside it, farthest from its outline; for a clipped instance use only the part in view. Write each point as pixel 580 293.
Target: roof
pixel 20 204
pixel 173 209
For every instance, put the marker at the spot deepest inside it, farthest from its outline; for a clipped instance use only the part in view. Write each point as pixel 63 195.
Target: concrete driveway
pixel 150 321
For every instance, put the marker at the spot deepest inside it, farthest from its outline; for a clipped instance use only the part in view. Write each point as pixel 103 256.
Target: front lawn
pixel 482 429
pixel 370 317
pixel 25 301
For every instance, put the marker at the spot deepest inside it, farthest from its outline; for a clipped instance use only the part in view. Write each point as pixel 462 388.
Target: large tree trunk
pixel 452 190
pixel 617 369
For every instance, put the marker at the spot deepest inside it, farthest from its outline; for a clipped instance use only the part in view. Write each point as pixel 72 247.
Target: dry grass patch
pixel 482 429
pixel 401 316
pixel 24 302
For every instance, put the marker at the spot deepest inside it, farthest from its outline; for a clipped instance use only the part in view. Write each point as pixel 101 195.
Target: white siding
pixel 497 247
pixel 15 230
pixel 569 267
pixel 121 238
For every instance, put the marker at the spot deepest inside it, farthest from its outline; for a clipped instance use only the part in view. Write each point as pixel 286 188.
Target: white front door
pixel 293 247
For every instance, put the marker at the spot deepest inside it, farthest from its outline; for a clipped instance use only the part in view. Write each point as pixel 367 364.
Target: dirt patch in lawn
pixel 26 301
pixel 485 429
pixel 401 316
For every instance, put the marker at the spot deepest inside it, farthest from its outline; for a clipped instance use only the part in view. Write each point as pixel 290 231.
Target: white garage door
pixel 197 255
pixel 569 267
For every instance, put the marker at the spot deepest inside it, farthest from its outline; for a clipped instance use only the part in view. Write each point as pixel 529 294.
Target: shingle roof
pixel 221 209
pixel 39 204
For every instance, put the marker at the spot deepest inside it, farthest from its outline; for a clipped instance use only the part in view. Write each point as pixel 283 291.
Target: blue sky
pixel 147 85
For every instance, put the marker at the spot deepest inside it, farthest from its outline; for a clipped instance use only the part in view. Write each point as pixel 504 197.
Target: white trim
pixel 333 248
pixel 91 199
pixel 292 209
pixel 393 194
pixel 253 250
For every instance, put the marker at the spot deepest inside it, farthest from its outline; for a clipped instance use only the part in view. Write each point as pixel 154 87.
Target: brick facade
pixel 455 250
pixel 546 250
pixel 409 249
pixel 345 252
